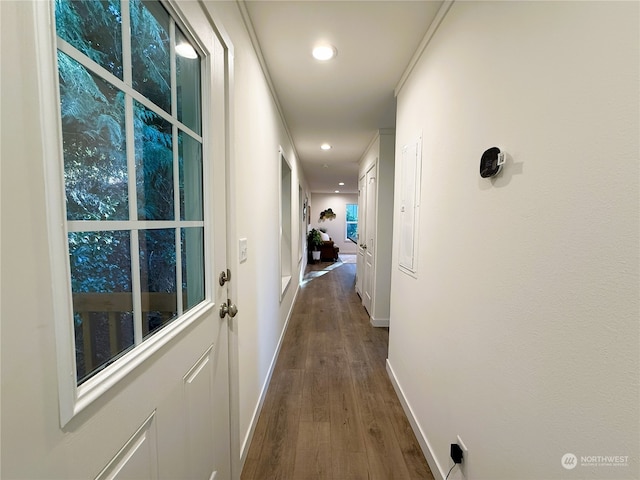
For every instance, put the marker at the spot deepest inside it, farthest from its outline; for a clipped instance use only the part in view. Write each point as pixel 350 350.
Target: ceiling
pixel 343 101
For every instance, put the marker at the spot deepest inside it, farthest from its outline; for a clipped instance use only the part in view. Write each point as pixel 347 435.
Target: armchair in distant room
pixel 328 250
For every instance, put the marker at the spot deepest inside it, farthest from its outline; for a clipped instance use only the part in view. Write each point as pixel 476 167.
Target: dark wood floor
pixel 331 411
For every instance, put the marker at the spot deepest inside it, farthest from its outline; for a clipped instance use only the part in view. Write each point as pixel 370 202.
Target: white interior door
pixel 370 237
pixel 159 409
pixel 361 233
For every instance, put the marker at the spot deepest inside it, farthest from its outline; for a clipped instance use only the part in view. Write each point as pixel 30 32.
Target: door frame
pixel 233 261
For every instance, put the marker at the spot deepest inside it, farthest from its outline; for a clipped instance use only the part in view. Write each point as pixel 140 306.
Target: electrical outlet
pixel 465 458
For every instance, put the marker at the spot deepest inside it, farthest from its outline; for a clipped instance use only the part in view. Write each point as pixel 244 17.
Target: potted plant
pixel 314 241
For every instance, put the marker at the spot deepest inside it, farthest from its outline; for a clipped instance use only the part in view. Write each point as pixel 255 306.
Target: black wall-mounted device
pixel 456 453
pixel 491 162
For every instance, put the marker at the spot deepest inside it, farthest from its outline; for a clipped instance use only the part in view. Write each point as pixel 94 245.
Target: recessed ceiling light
pixel 341 183
pixel 324 52
pixel 337 191
pixel 185 50
pixel 325 146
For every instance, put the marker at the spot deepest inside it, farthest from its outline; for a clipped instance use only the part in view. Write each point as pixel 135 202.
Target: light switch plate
pixel 242 249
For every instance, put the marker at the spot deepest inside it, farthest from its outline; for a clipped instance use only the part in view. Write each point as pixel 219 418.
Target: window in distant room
pixel 352 222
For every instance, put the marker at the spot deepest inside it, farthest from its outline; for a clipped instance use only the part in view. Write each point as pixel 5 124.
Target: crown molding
pixel 442 12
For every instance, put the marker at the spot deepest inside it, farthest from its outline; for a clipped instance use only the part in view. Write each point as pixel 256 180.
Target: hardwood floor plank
pixel 315 396
pixel 346 429
pixel 277 455
pixel 313 452
pixel 413 456
pixel 331 411
pixel 383 451
pixel 253 455
pixel 349 465
pixel 296 343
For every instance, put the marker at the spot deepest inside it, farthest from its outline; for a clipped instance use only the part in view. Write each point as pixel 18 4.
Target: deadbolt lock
pixel 225 276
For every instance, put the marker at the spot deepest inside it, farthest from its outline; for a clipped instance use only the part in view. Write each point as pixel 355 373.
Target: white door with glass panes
pixel 131 99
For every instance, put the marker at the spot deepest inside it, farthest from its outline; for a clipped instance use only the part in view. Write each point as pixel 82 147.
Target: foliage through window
pixel 352 222
pixel 130 101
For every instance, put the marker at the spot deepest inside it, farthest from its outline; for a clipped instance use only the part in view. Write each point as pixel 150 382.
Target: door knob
pixel 228 308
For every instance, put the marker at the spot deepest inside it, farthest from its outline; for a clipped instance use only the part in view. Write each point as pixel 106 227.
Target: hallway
pixel 331 411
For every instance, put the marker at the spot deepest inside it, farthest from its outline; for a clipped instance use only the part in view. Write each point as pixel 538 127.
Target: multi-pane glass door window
pixel 130 100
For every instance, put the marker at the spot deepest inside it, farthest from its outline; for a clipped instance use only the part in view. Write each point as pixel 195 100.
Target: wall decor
pixel 327 215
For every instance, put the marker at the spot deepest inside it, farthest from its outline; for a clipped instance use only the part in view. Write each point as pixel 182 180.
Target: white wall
pixel 521 332
pixel 336 228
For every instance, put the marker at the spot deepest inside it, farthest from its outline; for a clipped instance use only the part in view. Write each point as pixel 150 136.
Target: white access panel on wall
pixel 409 205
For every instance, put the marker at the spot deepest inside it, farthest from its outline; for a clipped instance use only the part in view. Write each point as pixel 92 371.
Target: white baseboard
pixel 265 386
pixel 420 435
pixel 380 322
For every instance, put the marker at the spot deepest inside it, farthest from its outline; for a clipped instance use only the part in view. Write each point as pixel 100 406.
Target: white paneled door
pixel 158 409
pixel 370 237
pixel 362 215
